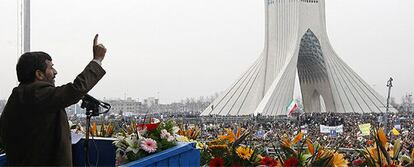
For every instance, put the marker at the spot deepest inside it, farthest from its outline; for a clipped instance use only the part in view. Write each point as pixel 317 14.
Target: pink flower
pixel 149 145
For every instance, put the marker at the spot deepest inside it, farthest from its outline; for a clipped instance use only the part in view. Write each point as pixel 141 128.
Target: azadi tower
pixel 296 41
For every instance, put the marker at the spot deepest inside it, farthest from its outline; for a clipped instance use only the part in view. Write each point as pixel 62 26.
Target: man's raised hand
pixel 98 49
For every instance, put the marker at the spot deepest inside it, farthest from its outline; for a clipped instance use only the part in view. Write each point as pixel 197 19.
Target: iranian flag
pixel 292 107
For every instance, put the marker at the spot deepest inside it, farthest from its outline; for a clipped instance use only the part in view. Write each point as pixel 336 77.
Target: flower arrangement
pixel 134 144
pixel 149 125
pixel 227 150
pixel 315 155
pixel 382 154
pixel 105 130
pixel 191 133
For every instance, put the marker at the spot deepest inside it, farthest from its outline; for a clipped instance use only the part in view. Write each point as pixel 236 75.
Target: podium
pixel 3 160
pixel 101 152
pixel 183 155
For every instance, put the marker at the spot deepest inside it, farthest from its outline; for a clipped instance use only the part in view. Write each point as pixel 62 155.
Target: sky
pixel 192 48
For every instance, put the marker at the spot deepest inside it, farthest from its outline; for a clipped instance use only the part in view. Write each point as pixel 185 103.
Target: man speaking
pixel 34 126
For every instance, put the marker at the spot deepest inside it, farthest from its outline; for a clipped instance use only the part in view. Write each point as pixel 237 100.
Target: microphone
pixel 93 104
pixel 91 99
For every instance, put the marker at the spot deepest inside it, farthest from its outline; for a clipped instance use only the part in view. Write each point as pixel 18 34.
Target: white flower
pixel 170 138
pixel 132 143
pixel 155 120
pixel 120 156
pixel 175 129
pixel 133 149
pixel 120 137
pixel 131 140
pixel 164 134
pixel 70 124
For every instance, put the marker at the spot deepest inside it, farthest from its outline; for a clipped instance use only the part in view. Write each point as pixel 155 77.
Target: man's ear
pixel 39 75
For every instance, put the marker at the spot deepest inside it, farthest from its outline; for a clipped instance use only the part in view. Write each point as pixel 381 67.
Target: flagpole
pixel 24 27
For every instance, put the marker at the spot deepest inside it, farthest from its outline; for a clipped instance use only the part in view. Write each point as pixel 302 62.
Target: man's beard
pixel 51 80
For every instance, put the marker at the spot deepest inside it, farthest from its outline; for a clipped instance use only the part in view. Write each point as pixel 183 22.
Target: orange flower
pixel 190 133
pixel 310 146
pixel 381 136
pixel 286 142
pixel 320 154
pixel 260 157
pixel 110 129
pixel 412 153
pixel 376 156
pixel 220 146
pixel 338 160
pixel 297 138
pixel 231 137
pixel 238 132
pixel 93 129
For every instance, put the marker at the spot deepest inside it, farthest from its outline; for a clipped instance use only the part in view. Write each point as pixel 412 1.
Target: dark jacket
pixel 34 127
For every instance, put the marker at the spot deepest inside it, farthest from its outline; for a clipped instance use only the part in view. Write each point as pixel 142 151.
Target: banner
pixel 304 129
pixel 333 133
pixel 365 129
pixel 397 126
pixel 328 129
pixel 260 133
pixel 395 132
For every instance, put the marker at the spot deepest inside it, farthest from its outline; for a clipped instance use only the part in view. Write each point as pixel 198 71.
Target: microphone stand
pixel 92 109
pixel 86 143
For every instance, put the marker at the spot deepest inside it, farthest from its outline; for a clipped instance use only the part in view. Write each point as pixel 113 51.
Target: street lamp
pixel 389 85
pixel 410 102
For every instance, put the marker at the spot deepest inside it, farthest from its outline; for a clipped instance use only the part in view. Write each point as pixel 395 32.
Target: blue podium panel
pixel 3 160
pixel 101 152
pixel 183 155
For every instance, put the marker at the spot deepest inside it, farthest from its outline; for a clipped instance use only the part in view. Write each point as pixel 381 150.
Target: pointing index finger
pixel 95 40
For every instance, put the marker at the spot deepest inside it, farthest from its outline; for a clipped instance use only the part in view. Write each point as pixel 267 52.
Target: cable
pixel 97 151
pixel 86 144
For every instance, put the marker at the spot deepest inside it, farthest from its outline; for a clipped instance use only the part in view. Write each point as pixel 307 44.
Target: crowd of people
pixel 267 132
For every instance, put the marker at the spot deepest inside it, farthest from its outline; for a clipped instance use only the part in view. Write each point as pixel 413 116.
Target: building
pixel 296 43
pixel 128 105
pixel 150 101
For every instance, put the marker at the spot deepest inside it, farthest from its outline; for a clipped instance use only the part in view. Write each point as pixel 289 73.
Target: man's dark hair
pixel 28 63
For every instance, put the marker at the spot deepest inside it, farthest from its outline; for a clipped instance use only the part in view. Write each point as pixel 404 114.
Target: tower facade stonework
pixel 296 42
